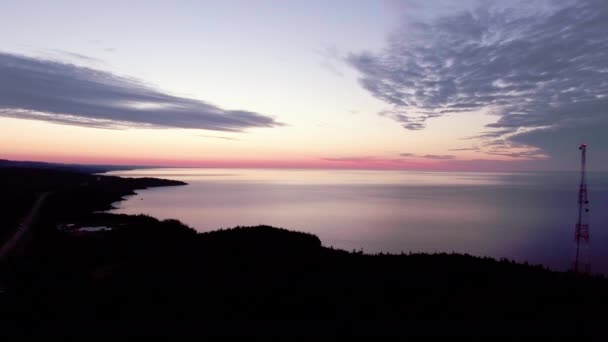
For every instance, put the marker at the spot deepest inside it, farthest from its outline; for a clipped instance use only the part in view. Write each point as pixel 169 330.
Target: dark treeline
pixel 65 167
pixel 151 277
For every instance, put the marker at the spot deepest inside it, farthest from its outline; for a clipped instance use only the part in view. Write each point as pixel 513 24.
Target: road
pixel 24 226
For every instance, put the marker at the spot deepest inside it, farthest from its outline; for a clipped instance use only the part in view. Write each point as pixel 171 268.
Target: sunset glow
pixel 309 85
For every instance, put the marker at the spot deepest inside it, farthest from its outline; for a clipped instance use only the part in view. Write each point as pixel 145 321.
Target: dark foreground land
pixel 150 277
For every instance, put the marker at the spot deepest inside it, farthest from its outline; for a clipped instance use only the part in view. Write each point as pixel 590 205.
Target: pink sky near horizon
pixel 354 163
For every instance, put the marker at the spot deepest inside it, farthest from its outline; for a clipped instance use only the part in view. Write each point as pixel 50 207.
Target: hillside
pixel 148 277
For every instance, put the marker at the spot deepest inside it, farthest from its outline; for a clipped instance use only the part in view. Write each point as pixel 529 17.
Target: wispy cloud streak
pixel 38 89
pixel 427 156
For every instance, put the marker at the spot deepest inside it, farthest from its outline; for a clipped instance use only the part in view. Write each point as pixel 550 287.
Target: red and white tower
pixel 582 263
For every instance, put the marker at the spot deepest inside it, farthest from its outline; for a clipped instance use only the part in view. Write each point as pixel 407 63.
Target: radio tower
pixel 581 235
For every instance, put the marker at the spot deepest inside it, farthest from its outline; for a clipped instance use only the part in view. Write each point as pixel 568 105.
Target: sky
pixel 475 85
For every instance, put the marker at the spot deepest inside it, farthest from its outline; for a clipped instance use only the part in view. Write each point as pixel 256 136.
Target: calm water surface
pixel 521 216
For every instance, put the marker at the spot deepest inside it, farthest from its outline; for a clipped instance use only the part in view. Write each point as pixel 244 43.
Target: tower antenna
pixel 582 263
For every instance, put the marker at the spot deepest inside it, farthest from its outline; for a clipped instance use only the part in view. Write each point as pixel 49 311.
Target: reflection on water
pixel 522 216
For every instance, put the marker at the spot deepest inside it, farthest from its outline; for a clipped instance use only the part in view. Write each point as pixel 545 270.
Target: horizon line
pixel 293 166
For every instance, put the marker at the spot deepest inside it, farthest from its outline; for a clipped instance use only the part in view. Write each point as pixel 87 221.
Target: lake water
pixel 520 216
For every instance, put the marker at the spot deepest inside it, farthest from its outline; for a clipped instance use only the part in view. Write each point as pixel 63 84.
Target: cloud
pixel 351 159
pixel 372 159
pixel 562 142
pixel 330 58
pixel 38 89
pixel 522 154
pixel 465 149
pixel 438 156
pixel 72 55
pixel 427 156
pixel 539 66
pixel 421 163
pixel 216 137
pixel 493 134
